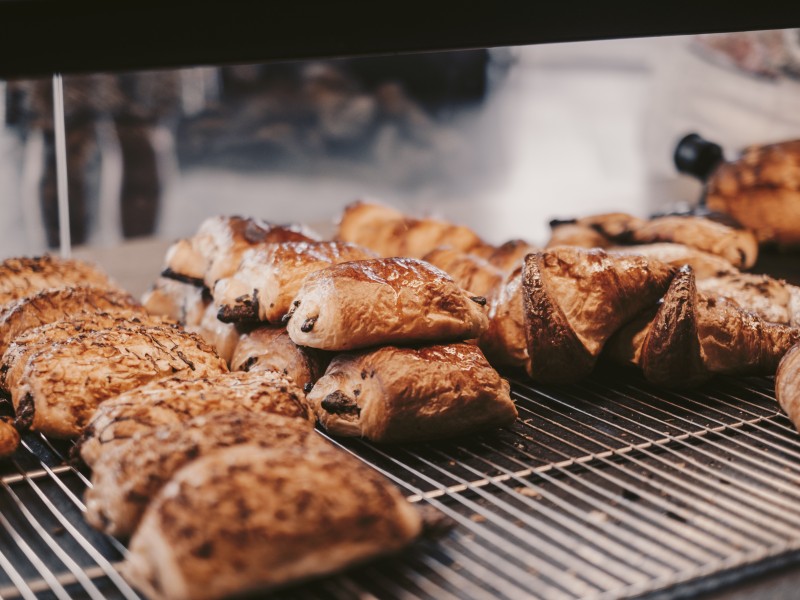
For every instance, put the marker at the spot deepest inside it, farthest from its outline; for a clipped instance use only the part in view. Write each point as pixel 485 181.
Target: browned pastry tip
pixel 787 384
pixel 9 437
pixel 616 226
pixel 509 256
pixel 575 299
pixel 671 355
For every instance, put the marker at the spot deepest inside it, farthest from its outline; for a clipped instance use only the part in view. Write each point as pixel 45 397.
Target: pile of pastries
pixel 196 408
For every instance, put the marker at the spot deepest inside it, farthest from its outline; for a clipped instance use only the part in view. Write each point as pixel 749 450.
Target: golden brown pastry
pixel 393 394
pixel 41 338
pixel 61 386
pixel 182 302
pixel 383 301
pixel 9 438
pixel 271 349
pixel 505 341
pixel 247 518
pixel 389 233
pixel 572 234
pixel 694 336
pixel 216 249
pixel 761 190
pixel 787 384
pixel 617 227
pixel 575 299
pixel 508 256
pixel 769 298
pixel 470 272
pixel 56 304
pixel 738 246
pixel 268 278
pixel 704 264
pixel 20 277
pixel 126 478
pixel 177 400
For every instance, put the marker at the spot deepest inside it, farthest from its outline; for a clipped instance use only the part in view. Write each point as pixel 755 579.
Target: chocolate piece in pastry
pixel 41 338
pixel 704 264
pixel 505 341
pixel 125 478
pixel 216 249
pixel 177 400
pixel 183 302
pixel 61 386
pixel 20 277
pixel 738 246
pixel 787 384
pixel 383 301
pixel 761 190
pixel 470 272
pixel 9 438
pixel 268 278
pixel 394 394
pixel 572 234
pixel 575 299
pixel 245 519
pixel 271 349
pixel 388 232
pixel 56 304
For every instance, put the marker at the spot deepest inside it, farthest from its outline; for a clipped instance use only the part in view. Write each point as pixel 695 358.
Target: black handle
pixel 697 156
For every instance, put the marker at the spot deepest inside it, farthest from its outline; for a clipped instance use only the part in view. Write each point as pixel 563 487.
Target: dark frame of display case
pixel 39 37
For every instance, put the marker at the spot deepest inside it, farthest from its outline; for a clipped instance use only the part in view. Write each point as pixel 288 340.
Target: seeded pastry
pixel 216 249
pixel 271 349
pixel 394 394
pixel 383 301
pixel 268 278
pixel 56 304
pixel 20 277
pixel 177 400
pixel 246 519
pixel 61 386
pixel 40 338
pixel 127 477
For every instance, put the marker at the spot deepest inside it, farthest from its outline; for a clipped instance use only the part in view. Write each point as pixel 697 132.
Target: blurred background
pixel 501 140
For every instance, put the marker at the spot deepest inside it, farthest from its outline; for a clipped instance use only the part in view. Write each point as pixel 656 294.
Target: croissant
pixel 469 271
pixel 787 384
pixel 575 299
pixel 9 437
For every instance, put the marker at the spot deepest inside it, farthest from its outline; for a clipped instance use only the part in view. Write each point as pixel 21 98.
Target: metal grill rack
pixel 605 489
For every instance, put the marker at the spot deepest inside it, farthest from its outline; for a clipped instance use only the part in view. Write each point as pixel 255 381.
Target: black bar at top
pixel 39 37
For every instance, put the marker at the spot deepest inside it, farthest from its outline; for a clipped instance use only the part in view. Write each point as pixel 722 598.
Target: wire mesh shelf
pixel 605 489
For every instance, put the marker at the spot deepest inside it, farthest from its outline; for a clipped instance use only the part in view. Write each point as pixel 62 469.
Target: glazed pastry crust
pixel 267 280
pixel 470 272
pixel 61 386
pixel 761 191
pixel 128 476
pixel 216 249
pixel 383 301
pixel 21 277
pixel 769 298
pixel 509 256
pixel 176 400
pixel 787 384
pixel 248 518
pixel 704 264
pixel 572 234
pixel 739 247
pixel 575 299
pixel 271 349
pixel 505 341
pixel 56 304
pixel 396 394
pixel 389 233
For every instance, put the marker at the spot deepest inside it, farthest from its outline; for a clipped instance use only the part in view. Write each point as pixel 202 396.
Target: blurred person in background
pixel 138 106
